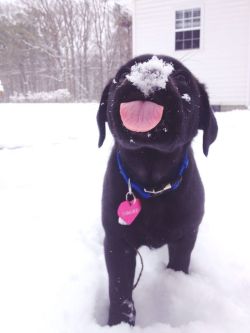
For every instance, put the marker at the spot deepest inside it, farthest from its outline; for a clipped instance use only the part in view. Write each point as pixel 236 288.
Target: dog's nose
pixel 150 76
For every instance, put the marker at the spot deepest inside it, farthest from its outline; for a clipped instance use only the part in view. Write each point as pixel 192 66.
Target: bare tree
pixel 100 8
pixel 77 45
pixel 83 29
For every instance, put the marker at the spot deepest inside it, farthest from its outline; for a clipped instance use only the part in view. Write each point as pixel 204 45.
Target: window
pixel 187 29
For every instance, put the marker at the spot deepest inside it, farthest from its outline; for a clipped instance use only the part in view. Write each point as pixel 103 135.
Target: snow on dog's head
pixel 151 75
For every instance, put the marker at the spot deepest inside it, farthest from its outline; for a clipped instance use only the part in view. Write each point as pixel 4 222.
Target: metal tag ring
pixel 131 194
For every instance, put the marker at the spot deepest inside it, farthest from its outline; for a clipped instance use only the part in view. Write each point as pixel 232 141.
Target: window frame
pixel 188 16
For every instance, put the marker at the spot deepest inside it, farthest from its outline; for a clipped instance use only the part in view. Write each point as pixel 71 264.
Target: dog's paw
pixel 123 313
pixel 178 268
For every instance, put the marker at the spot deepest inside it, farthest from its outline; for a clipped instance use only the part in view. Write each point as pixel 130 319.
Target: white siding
pixel 223 60
pixel 248 80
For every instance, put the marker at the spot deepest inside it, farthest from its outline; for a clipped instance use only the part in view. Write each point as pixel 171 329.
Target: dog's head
pixel 156 102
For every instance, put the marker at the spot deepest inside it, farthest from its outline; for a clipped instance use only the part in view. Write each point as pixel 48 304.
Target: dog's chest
pixel 162 211
pixel 160 221
pixel 153 170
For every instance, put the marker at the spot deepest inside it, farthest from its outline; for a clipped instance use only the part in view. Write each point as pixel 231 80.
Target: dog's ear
pixel 102 114
pixel 207 121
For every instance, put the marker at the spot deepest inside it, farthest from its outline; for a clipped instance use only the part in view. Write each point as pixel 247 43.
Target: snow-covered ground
pixel 52 272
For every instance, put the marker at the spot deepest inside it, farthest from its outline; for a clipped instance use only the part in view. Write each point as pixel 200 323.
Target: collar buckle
pixel 154 192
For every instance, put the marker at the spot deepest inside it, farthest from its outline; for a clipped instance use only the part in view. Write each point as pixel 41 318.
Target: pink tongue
pixel 140 116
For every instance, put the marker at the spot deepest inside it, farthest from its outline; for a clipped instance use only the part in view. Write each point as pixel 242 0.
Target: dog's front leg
pixel 180 252
pixel 120 261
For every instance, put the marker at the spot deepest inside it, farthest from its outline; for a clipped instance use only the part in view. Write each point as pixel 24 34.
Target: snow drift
pixel 53 277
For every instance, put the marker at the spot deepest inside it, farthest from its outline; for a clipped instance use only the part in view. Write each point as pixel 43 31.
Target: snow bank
pixel 53 277
pixel 1 87
pixel 151 75
pixel 60 95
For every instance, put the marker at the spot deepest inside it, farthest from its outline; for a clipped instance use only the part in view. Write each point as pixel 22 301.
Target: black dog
pixel 154 108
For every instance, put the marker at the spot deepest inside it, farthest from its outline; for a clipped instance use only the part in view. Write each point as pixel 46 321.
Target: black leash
pixel 142 266
pixel 141 260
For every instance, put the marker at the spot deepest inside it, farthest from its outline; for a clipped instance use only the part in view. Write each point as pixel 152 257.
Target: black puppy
pixel 152 193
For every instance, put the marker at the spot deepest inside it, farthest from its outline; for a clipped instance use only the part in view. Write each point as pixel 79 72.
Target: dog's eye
pixel 181 78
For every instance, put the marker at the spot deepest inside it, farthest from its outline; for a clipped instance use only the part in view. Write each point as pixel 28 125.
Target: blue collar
pixel 143 192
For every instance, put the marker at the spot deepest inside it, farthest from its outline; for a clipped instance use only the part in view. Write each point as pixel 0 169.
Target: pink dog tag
pixel 128 211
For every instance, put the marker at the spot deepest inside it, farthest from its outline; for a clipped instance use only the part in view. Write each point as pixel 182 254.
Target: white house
pixel 211 37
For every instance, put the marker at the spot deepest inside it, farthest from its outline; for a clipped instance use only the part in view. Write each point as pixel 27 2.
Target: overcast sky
pixel 120 1
pixel 8 1
pixel 127 3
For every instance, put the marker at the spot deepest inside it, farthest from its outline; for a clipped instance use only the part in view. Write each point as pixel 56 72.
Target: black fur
pixel 172 218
